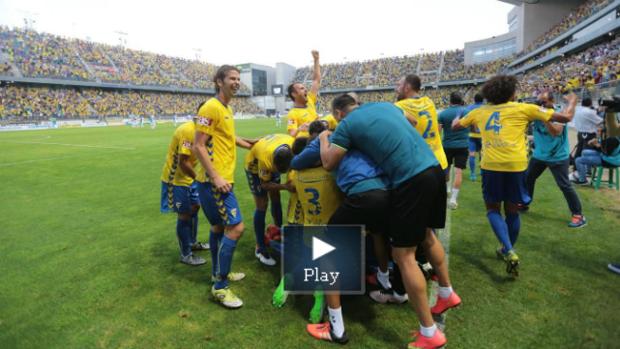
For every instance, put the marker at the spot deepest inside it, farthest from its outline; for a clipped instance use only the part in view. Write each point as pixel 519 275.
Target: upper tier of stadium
pixel 44 75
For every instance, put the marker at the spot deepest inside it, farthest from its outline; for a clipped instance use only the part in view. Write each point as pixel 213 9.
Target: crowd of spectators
pixel 36 103
pixel 597 64
pixel 576 16
pixel 50 56
pixel 386 71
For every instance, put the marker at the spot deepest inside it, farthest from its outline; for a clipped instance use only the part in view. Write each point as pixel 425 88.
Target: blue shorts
pixel 504 186
pixel 170 195
pixel 220 209
pixel 255 188
pixel 475 145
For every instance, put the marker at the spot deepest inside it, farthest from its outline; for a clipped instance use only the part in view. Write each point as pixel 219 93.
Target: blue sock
pixel 214 242
pixel 184 234
pixel 276 213
pixel 472 165
pixel 514 225
pixel 259 229
pixel 194 227
pixel 500 228
pixel 225 255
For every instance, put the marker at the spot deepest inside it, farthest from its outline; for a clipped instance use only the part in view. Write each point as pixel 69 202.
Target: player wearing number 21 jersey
pixel 421 112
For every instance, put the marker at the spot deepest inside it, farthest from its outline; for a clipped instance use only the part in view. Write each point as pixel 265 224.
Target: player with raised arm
pixel 304 102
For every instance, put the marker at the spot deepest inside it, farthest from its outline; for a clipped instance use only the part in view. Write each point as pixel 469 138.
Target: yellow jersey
pixel 424 111
pixel 295 214
pixel 216 120
pixel 299 116
pixel 503 128
pixel 332 123
pixel 319 195
pixel 259 159
pixel 181 144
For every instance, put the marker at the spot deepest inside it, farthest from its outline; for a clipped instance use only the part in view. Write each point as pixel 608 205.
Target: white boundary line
pixel 72 145
pixel 34 160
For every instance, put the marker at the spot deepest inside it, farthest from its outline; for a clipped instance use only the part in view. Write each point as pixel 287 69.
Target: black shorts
pixel 417 204
pixel 369 208
pixel 458 156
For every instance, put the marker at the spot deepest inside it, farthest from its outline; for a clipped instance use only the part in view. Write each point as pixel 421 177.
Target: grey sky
pixel 268 31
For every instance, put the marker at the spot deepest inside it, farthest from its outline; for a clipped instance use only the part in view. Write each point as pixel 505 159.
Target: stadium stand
pixel 29 54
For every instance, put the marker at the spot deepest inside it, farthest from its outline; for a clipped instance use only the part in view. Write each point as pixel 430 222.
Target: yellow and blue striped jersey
pixel 181 144
pixel 300 116
pixel 259 159
pixel 216 120
pixel 319 195
pixel 424 111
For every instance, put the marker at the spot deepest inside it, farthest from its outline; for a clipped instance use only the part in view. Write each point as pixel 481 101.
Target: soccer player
pixel 455 145
pixel 417 198
pixel 503 124
pixel 269 158
pixel 152 121
pixel 215 148
pixel 180 193
pixel 304 102
pixel 421 112
pixel 552 151
pixel 475 143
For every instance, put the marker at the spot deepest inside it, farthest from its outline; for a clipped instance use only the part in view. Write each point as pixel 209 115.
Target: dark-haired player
pixel 503 124
pixel 303 111
pixel 268 159
pixel 215 146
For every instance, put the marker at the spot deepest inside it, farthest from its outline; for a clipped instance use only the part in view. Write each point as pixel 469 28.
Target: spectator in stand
pixel 587 123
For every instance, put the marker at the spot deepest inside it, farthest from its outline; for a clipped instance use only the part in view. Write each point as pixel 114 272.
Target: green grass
pixel 87 261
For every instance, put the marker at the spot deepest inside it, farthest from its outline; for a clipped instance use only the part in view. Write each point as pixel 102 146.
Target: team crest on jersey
pixel 187 144
pixel 205 121
pixel 291 122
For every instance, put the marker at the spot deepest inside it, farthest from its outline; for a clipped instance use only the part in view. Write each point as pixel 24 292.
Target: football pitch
pixel 87 261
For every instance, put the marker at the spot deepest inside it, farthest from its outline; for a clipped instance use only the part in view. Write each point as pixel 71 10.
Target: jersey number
pixel 427 132
pixel 493 123
pixel 314 200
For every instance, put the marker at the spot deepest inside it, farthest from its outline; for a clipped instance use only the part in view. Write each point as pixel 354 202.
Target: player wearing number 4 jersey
pixel 503 124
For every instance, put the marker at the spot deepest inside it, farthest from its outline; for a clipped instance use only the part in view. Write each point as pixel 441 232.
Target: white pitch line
pixel 34 160
pixel 73 145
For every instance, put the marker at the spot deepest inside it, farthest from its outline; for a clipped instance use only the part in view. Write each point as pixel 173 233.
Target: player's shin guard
pixel 259 229
pixel 214 243
pixel 500 228
pixel 276 213
pixel 514 225
pixel 472 165
pixel 194 227
pixel 184 234
pixel 225 255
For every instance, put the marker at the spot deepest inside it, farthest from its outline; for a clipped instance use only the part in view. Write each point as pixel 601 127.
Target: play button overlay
pixel 323 258
pixel 320 248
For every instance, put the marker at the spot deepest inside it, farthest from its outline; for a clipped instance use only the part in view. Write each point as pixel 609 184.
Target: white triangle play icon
pixel 320 248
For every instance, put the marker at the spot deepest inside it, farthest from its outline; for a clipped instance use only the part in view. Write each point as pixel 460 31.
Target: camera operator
pixel 604 152
pixel 586 123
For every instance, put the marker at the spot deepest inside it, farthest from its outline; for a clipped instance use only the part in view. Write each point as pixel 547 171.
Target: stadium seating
pixel 39 103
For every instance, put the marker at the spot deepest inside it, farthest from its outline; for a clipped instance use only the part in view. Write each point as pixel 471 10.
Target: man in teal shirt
pixel 455 144
pixel 551 150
